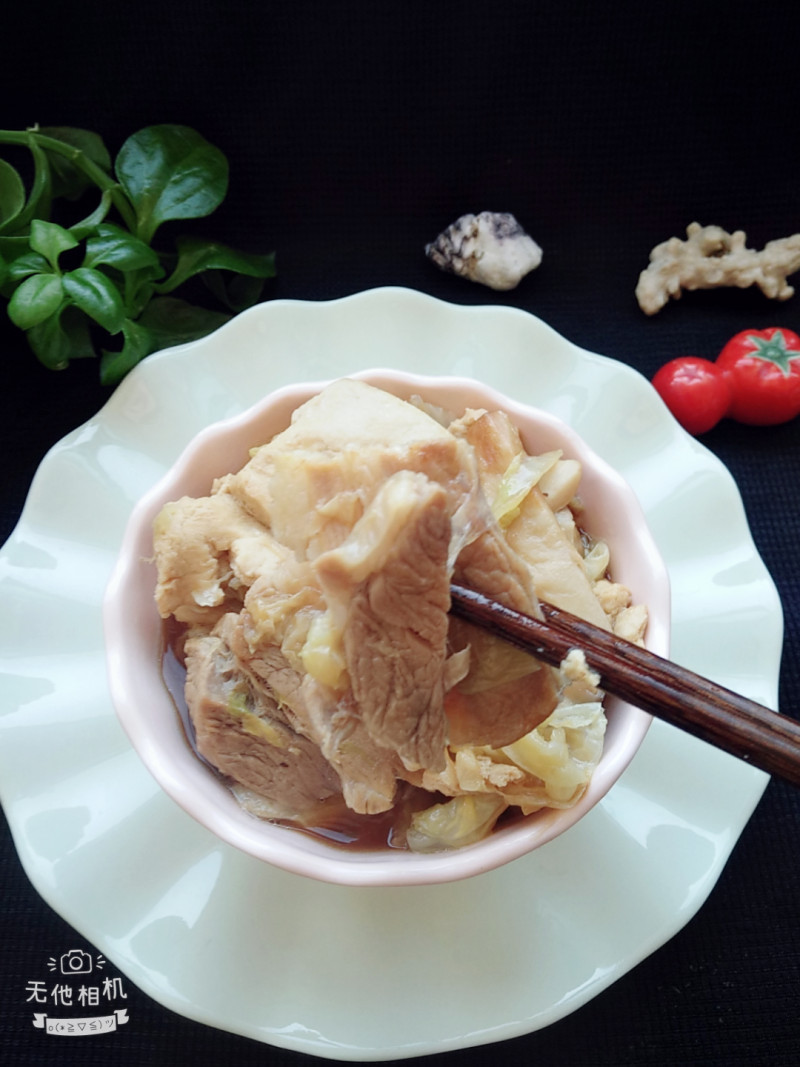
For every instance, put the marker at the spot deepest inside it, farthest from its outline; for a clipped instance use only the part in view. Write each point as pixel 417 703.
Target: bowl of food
pixel 281 651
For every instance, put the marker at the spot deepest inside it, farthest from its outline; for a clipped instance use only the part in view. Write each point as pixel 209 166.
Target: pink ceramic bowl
pixel 147 713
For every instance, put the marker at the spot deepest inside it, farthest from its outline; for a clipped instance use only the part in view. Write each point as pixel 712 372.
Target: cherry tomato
pixel 762 368
pixel 695 390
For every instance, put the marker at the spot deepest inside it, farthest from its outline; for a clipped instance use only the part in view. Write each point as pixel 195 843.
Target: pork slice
pixel 389 585
pixel 268 672
pixel 559 577
pixel 506 692
pixel 313 481
pixel 241 731
pixel 351 413
pixel 207 552
pixel 367 774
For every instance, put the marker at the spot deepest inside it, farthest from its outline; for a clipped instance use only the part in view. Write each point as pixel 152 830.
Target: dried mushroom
pixel 711 258
pixel 490 248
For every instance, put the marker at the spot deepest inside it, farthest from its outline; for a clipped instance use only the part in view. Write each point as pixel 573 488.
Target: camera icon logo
pixel 76 961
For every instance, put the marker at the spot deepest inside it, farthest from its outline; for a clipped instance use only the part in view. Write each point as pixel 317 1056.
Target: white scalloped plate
pixel 371 973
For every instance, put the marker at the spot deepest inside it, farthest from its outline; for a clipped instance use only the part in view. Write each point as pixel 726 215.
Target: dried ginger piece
pixel 711 258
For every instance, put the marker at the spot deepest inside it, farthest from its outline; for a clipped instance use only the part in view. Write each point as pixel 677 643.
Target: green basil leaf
pixel 171 172
pixel 30 263
pixel 35 299
pixel 196 255
pixel 14 250
pixel 173 322
pixel 117 248
pixel 96 296
pixel 68 180
pixel 61 337
pixel 50 240
pixel 138 343
pixel 12 194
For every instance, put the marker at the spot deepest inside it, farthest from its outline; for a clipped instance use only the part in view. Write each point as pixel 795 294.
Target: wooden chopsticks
pixel 731 722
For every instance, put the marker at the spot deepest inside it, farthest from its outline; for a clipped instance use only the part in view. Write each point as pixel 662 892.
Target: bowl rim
pixel 188 782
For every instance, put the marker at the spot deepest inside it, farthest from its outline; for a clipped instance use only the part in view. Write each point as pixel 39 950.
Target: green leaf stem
pixel 12 194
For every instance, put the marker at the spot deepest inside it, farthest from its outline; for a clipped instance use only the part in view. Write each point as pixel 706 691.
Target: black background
pixel 357 131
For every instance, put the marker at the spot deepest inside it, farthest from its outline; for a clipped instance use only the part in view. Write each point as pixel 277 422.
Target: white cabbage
pixel 461 821
pixel 564 750
pixel 596 561
pixel 521 476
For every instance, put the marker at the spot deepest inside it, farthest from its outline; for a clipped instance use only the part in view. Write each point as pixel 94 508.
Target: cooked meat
pixel 506 692
pixel 368 773
pixel 205 550
pixel 559 577
pixel 313 481
pixel 365 774
pixel 389 584
pixel 241 732
pixel 320 720
pixel 315 582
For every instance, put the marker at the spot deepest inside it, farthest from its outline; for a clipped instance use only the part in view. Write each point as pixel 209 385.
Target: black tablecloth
pixel 355 133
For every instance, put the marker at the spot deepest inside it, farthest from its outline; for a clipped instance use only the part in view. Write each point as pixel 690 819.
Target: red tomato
pixel 762 368
pixel 695 391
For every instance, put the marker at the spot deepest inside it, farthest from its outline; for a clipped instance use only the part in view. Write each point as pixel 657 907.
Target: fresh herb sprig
pixel 99 286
